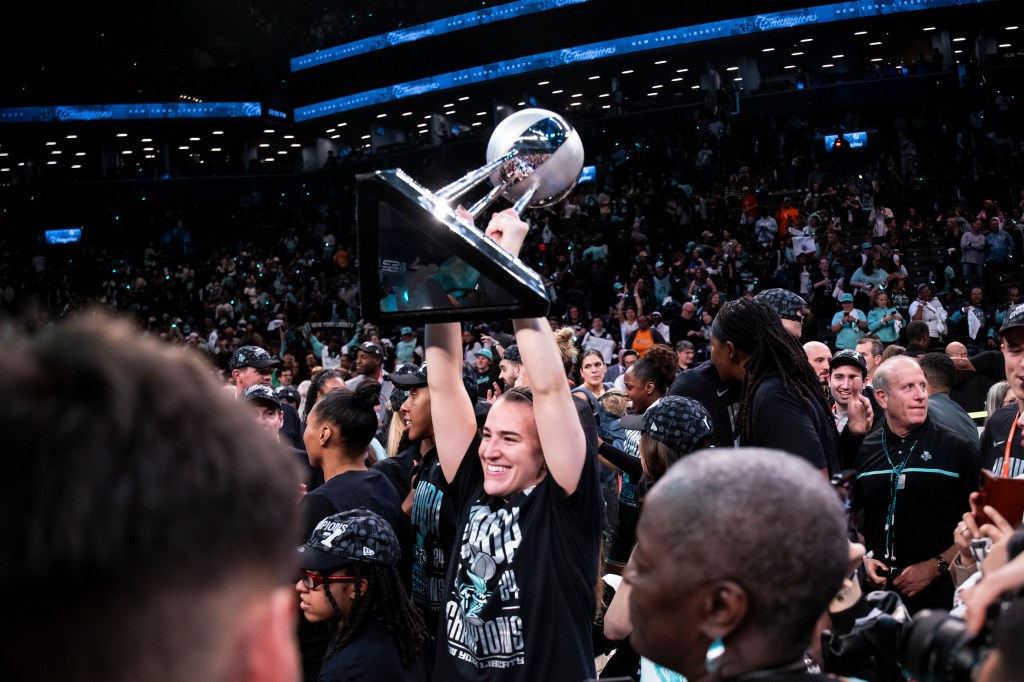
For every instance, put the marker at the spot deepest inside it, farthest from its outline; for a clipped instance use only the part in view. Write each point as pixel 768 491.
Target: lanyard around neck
pixel 897 481
pixel 1009 444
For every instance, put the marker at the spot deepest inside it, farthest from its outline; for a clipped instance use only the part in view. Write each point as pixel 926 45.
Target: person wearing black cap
pixel 511 367
pixel 792 308
pixel 268 412
pixel 847 373
pixel 251 366
pixel 338 434
pixel 370 367
pixel 671 428
pixel 266 408
pixel 349 579
pixel 288 395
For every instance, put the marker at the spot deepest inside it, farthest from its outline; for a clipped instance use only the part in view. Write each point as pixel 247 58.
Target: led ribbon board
pixel 490 15
pixel 761 23
pixel 131 112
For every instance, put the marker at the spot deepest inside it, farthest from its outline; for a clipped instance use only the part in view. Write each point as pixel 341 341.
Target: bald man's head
pixel 956 350
pixel 818 354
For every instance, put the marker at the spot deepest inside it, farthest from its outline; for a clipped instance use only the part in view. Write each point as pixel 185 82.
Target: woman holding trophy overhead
pixel 520 588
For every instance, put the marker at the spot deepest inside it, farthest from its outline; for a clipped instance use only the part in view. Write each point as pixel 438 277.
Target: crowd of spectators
pixel 677 223
pixel 915 243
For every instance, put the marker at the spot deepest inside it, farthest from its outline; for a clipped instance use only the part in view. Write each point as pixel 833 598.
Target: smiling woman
pixel 520 586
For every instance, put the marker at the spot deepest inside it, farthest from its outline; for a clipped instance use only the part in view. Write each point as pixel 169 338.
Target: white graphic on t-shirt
pixel 428 566
pixel 484 625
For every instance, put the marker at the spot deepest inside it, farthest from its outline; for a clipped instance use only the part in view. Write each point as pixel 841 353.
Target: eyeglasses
pixel 315 580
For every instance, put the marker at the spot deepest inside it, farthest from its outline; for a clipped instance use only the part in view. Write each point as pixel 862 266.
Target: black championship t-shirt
pixel 520 601
pixel 433 525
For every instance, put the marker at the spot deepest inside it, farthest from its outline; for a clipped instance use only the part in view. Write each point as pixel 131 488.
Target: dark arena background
pixel 215 128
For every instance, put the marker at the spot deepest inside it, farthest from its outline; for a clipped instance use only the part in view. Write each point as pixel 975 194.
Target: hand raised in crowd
pixel 493 393
pixel 859 415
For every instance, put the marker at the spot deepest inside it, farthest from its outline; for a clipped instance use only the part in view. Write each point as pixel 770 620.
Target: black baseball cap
pixel 786 303
pixel 262 393
pixel 252 356
pixel 1014 318
pixel 371 348
pixel 848 356
pixel 288 393
pixel 512 354
pixel 353 536
pixel 678 422
pixel 409 375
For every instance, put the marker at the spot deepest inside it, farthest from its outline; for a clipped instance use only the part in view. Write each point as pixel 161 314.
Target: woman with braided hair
pixel 349 579
pixel 781 402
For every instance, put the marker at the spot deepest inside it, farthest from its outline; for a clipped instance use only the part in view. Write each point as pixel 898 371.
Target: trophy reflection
pixel 432 265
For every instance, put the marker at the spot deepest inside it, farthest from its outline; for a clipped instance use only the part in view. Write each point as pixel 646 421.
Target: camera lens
pixel 937 648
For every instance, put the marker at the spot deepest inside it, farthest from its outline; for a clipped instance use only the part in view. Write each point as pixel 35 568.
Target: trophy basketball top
pixel 434 265
pixel 546 157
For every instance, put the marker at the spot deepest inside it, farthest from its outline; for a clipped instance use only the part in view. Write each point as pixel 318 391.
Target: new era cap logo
pixel 368 552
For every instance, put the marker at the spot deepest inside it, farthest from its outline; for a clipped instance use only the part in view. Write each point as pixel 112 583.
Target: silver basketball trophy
pixel 420 262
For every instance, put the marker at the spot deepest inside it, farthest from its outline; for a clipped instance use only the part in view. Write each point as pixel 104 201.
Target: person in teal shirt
pixel 849 324
pixel 885 321
pixel 869 277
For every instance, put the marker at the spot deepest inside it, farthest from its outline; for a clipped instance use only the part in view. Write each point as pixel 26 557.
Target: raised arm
pixel 558 426
pixel 454 418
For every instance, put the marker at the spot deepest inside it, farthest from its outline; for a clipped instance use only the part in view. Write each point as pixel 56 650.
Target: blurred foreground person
pixel 748 608
pixel 152 525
